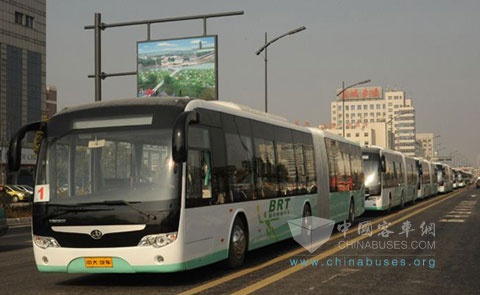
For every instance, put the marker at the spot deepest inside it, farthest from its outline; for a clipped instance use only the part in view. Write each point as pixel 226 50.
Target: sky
pixel 428 48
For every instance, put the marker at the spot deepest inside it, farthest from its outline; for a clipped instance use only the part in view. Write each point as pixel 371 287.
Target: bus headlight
pixel 159 240
pixel 45 242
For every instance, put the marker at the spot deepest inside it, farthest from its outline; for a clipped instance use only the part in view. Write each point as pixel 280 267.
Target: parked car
pixel 16 195
pixel 27 188
pixel 477 183
pixel 3 222
pixel 22 188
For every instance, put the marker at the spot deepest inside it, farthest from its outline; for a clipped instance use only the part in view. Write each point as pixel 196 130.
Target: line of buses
pixel 170 184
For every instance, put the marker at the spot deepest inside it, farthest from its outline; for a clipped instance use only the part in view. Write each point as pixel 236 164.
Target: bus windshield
pixel 111 164
pixel 371 162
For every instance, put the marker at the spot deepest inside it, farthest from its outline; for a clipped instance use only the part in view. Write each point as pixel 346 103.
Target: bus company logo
pixel 276 209
pixel 96 234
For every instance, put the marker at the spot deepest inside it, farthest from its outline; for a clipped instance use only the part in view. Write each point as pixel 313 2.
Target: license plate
pixel 91 262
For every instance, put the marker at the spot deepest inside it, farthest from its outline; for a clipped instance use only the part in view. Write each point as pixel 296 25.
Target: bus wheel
pixel 307 211
pixel 238 244
pixel 306 222
pixel 389 205
pixel 351 212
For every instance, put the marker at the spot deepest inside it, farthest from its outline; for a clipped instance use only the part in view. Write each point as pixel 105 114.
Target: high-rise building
pixel 370 105
pixel 366 134
pixel 51 101
pixel 427 140
pixel 401 119
pixel 22 73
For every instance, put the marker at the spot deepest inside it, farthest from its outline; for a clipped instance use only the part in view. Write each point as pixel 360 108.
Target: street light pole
pixel 264 48
pixel 266 80
pixel 343 107
pixel 343 99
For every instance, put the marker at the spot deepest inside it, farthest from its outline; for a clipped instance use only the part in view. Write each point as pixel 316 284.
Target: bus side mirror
pixel 383 164
pixel 14 155
pixel 180 135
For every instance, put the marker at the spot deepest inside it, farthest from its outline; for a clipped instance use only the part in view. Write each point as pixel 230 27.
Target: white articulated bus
pixel 426 187
pixel 434 178
pixel 461 177
pixel 169 184
pixel 444 178
pixel 385 181
pixel 454 178
pixel 411 175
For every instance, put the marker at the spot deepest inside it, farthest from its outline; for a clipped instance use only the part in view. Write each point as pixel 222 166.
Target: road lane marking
pixel 300 250
pixel 457 216
pixel 452 220
pixel 17 235
pixel 282 274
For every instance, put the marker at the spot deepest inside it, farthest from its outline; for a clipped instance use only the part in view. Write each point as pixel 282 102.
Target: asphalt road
pixel 443 261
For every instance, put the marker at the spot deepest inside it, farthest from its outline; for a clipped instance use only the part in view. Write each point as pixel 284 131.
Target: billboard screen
pixel 178 68
pixel 361 93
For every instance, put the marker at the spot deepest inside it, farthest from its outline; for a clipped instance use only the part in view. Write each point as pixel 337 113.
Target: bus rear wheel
pixel 238 244
pixel 351 212
pixel 389 205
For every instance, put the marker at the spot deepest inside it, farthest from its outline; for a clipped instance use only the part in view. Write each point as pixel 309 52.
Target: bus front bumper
pixel 124 260
pixel 374 203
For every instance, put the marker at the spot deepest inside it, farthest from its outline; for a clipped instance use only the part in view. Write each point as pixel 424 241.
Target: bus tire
pixel 306 223
pixel 238 244
pixel 307 210
pixel 389 204
pixel 351 212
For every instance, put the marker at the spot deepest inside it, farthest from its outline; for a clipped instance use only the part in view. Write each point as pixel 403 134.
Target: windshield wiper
pixel 129 204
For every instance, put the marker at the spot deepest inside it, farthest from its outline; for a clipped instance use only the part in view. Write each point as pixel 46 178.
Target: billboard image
pixel 184 67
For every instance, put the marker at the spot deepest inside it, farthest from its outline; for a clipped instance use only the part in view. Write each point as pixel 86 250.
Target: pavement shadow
pixel 185 278
pixel 6 248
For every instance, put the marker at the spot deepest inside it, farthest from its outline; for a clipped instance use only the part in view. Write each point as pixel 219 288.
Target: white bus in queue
pixel 426 185
pixel 411 175
pixel 455 178
pixel 385 181
pixel 434 178
pixel 444 178
pixel 169 184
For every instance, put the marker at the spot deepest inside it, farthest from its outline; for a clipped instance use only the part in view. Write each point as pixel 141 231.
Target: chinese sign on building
pixel 361 93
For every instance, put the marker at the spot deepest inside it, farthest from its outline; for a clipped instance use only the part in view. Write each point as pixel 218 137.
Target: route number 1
pixel 42 193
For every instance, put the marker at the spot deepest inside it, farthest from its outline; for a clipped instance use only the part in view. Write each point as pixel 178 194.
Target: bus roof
pixel 374 148
pixel 125 102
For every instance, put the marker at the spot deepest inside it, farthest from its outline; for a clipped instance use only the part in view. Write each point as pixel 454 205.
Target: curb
pixel 19 221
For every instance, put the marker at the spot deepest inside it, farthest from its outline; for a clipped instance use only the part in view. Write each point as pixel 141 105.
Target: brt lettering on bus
pixel 279 208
